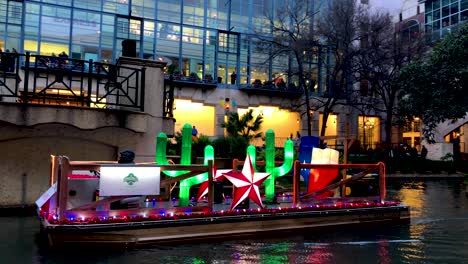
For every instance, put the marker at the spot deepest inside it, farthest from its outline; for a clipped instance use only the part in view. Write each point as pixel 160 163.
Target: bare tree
pixel 289 33
pixel 379 62
pixel 339 26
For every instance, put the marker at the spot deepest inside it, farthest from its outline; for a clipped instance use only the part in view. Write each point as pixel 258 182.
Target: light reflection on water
pixel 438 233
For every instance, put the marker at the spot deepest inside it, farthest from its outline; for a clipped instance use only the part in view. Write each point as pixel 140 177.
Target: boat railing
pixel 62 168
pixel 365 170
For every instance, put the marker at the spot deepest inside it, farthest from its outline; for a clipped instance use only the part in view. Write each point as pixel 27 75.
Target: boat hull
pixel 131 234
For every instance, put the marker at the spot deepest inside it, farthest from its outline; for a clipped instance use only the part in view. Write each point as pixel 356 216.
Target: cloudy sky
pixel 393 6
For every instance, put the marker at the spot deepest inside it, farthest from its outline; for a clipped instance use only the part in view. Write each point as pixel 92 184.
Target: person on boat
pixel 126 156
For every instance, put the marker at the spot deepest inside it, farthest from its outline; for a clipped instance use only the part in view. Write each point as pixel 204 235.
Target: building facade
pixel 205 39
pixel 442 16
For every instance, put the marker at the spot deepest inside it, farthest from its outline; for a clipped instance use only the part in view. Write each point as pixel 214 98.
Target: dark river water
pixel 438 233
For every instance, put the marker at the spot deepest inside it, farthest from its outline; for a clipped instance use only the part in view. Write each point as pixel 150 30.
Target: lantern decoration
pixel 247 184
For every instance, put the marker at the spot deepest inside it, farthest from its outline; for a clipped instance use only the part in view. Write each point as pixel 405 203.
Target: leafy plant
pixel 198 146
pixel 246 126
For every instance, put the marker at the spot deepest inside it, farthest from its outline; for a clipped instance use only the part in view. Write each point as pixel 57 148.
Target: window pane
pixel 168 40
pixel 88 4
pixel 193 12
pixel 116 6
pixel 55 29
pixel 169 10
pixel 85 36
pixel 445 11
pixel 144 8
pixel 454 9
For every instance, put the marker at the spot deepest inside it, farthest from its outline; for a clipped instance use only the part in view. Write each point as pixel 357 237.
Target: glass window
pixel 168 41
pixel 85 38
pixel 107 38
pixel 144 8
pixel 219 15
pixel 88 4
pixel 436 14
pixel 55 30
pixel 13 37
pixel 429 18
pixel 464 15
pixel 435 4
pixel 428 6
pixel 445 11
pixel 31 25
pixel 148 39
pixel 369 131
pixel 169 10
pixel 454 19
pixel 464 5
pixel 228 42
pixel 3 9
pixel 436 25
pixel 59 2
pixel 15 12
pixel 454 8
pixel 446 22
pixel 210 54
pixel 212 14
pixel 445 2
pixel 259 67
pixel 192 46
pixel 194 12
pixel 115 6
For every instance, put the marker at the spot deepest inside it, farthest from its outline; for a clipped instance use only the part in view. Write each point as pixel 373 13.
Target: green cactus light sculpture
pixel 185 159
pixel 270 162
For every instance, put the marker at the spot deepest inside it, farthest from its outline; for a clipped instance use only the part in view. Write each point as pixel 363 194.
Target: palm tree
pixel 246 126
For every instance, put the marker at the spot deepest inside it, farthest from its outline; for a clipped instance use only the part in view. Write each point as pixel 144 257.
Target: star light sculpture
pixel 247 184
pixel 218 176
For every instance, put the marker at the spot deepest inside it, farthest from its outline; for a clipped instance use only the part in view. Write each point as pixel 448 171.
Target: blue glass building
pixel 441 16
pixel 206 37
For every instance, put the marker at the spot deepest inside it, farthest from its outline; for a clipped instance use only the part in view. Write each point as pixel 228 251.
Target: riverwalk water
pixel 438 233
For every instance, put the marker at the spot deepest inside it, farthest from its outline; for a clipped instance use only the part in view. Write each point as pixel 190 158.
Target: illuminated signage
pixel 129 180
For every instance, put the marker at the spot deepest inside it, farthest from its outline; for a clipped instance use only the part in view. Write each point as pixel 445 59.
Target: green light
pixel 270 163
pixel 185 159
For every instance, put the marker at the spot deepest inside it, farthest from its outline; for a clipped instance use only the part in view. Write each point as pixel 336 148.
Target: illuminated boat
pixel 95 203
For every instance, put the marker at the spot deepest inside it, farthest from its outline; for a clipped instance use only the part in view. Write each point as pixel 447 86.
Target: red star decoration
pixel 218 176
pixel 247 184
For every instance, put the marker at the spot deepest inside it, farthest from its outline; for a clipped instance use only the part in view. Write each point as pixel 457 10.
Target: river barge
pixel 105 204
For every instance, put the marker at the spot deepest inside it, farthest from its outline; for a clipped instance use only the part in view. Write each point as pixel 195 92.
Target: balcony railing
pixel 271 89
pixel 51 80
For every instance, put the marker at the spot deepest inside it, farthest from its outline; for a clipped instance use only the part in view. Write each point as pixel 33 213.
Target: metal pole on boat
pixel 210 186
pixel 382 184
pixel 62 184
pixel 296 183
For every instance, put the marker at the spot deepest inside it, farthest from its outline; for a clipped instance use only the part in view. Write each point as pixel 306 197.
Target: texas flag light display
pixel 247 184
pixel 218 176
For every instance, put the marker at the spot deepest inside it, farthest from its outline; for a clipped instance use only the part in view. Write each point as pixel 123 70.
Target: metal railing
pixel 51 80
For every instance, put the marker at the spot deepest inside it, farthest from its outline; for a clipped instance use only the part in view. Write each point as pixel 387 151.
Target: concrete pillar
pixel 145 145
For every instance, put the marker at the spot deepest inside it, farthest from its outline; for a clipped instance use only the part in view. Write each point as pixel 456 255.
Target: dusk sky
pixel 393 6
